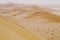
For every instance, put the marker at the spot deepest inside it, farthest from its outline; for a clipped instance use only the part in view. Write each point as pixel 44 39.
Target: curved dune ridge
pixel 12 31
pixel 34 18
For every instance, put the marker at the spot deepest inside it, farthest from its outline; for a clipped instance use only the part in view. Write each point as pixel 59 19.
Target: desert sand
pixel 36 19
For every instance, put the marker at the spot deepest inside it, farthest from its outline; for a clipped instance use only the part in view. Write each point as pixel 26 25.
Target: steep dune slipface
pixel 8 34
pixel 37 20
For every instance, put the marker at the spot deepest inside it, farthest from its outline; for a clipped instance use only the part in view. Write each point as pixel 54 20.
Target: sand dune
pixel 36 19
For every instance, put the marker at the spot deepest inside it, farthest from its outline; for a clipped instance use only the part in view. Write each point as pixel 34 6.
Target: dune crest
pixel 35 19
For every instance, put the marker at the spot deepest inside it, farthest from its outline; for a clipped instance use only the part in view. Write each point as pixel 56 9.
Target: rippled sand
pixel 38 20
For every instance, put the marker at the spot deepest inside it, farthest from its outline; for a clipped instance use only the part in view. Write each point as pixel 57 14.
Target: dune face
pixel 7 34
pixel 36 19
pixel 53 8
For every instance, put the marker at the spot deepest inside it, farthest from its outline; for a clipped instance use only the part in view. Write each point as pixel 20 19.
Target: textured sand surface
pixel 36 19
pixel 12 31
